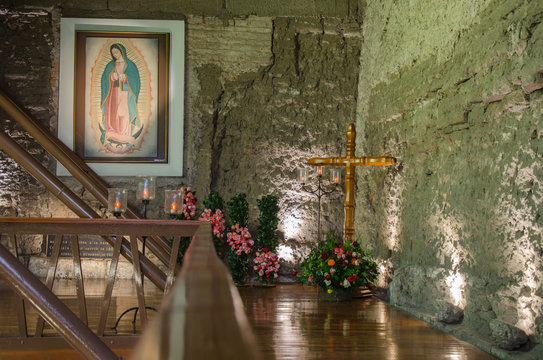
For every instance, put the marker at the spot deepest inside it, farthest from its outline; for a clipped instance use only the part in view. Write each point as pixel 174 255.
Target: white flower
pixel 328 282
pixel 346 283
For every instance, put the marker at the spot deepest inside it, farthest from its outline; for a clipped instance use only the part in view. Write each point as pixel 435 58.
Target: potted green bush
pixel 238 238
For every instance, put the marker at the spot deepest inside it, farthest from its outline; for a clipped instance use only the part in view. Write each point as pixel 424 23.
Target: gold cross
pixel 350 161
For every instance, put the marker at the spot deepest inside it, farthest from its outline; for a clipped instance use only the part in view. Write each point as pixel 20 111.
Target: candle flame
pixel 117 204
pixel 174 207
pixel 301 176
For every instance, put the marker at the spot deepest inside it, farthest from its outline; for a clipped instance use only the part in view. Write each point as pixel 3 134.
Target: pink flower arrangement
pixel 266 265
pixel 340 253
pixel 239 239
pixel 216 219
pixel 189 203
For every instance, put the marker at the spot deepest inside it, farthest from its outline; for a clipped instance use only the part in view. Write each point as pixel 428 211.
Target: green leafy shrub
pixel 239 238
pixel 238 210
pixel 266 237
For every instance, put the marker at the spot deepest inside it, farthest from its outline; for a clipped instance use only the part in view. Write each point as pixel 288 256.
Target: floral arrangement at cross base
pixel 337 267
pixel 266 266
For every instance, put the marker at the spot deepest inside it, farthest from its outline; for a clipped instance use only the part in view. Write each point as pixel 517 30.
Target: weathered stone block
pixel 449 314
pixel 507 336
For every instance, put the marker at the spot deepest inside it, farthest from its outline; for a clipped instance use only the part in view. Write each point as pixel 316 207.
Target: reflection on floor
pixel 289 322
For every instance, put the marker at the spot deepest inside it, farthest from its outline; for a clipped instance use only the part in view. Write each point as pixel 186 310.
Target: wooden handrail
pixel 202 317
pixel 109 227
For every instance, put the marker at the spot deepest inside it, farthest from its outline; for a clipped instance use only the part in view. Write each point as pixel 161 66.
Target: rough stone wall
pixel 263 94
pixel 21 70
pixel 263 125
pixel 455 92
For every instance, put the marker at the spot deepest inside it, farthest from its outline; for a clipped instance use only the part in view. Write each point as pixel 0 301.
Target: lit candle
pixel 301 176
pixel 319 170
pixel 173 201
pixel 145 193
pixel 117 204
pixel 116 200
pixel 146 188
pixel 335 176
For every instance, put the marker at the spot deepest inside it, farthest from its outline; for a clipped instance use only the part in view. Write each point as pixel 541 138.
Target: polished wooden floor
pixel 289 323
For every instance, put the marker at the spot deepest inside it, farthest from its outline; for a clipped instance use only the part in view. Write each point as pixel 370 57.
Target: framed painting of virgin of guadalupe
pixel 121 86
pixel 122 99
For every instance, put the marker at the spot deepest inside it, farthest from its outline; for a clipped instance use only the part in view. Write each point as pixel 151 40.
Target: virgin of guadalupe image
pixel 120 125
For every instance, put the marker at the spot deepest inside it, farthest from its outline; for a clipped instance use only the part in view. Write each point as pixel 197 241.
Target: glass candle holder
pixel 336 176
pixel 117 200
pixel 173 202
pixel 146 188
pixel 320 171
pixel 301 176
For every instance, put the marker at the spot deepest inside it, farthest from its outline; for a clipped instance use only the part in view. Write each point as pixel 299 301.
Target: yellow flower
pixel 330 291
pixel 331 262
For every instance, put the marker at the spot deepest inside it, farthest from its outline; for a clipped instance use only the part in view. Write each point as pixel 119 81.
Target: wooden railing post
pixel 202 316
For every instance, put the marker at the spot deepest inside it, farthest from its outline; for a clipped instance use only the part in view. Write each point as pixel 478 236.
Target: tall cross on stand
pixel 350 161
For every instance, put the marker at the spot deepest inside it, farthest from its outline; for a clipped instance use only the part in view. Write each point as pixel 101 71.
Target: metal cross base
pixel 319 191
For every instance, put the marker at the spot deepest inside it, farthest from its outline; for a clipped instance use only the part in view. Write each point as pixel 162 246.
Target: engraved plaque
pixel 89 246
